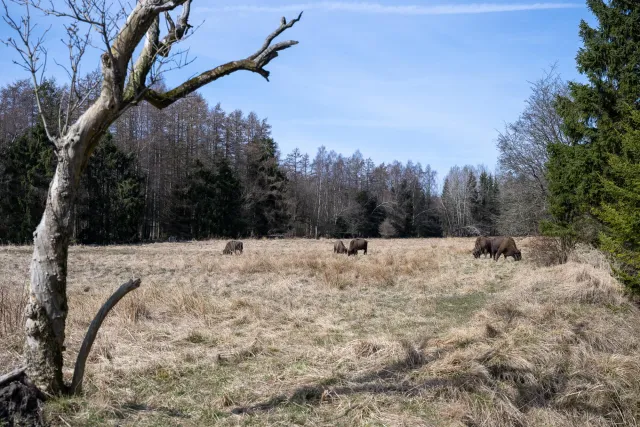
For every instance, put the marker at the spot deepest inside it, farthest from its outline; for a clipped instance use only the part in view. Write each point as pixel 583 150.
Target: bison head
pixel 476 253
pixel 517 255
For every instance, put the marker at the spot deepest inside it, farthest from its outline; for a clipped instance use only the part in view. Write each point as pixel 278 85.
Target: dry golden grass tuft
pixel 417 333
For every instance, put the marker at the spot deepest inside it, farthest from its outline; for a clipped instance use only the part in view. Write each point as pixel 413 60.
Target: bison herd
pixel 496 247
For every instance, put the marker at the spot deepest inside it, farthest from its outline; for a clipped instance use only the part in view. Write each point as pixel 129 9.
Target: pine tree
pixel 266 205
pixel 179 218
pixel 402 214
pixel 487 204
pixel 227 206
pixel 110 199
pixel 369 215
pixel 620 210
pixel 29 163
pixel 596 174
pixel 475 205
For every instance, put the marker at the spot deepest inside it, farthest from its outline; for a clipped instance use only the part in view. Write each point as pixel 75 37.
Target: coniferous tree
pixel 369 215
pixel 177 224
pixel 620 210
pixel 110 199
pixel 266 206
pixel 403 212
pixel 29 162
pixel 487 204
pixel 595 175
pixel 227 207
pixel 474 197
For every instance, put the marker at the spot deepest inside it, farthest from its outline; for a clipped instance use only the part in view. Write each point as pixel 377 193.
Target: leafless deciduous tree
pixel 125 82
pixel 456 202
pixel 523 155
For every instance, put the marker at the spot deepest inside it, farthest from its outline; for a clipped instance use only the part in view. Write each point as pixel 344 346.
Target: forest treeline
pixel 194 171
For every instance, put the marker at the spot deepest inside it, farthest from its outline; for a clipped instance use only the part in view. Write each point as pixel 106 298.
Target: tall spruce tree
pixel 208 204
pixel 369 215
pixel 474 199
pixel 227 209
pixel 402 214
pixel 28 165
pixel 487 204
pixel 597 173
pixel 620 210
pixel 266 204
pixel 110 199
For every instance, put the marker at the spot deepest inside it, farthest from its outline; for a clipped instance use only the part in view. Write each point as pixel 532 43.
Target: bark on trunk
pixel 46 311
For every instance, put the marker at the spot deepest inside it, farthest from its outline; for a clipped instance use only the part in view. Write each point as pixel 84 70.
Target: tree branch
pixel 154 48
pixel 30 54
pixel 78 373
pixel 283 27
pixel 254 63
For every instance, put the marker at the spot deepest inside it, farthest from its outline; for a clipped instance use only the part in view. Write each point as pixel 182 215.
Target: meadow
pixel 416 333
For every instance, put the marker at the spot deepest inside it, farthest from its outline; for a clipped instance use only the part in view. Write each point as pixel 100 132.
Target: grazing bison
pixel 505 246
pixel 356 245
pixel 232 247
pixel 482 247
pixel 339 247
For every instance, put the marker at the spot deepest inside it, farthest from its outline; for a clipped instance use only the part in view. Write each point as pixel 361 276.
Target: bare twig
pixel 32 53
pixel 78 373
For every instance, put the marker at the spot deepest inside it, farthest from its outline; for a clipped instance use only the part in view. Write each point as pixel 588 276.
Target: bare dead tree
pixel 125 83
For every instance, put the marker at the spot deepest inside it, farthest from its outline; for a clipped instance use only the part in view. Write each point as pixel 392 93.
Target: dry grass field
pixel 416 333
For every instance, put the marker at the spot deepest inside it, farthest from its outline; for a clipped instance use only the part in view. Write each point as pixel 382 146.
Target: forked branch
pixel 78 373
pixel 154 48
pixel 254 63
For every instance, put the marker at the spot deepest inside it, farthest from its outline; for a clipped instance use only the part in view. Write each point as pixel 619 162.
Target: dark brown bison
pixel 339 247
pixel 232 247
pixel 504 246
pixel 482 247
pixel 356 245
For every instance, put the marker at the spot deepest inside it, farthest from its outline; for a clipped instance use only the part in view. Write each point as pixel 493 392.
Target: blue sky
pixel 430 81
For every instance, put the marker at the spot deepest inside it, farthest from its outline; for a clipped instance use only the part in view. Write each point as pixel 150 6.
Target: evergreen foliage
pixel 111 199
pixel 26 168
pixel 403 215
pixel 369 214
pixel 597 173
pixel 208 204
pixel 266 205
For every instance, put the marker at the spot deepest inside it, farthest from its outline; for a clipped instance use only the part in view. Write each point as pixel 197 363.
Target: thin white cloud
pixel 378 8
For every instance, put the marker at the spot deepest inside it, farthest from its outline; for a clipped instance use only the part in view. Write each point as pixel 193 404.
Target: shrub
pixel 547 251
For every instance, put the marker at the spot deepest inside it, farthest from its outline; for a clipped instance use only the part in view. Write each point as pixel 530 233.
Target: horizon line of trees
pixel 193 171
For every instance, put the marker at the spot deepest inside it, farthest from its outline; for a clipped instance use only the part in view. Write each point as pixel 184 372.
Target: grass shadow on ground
pixel 391 379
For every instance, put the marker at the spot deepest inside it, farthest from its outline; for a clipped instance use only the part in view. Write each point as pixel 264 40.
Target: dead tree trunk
pixel 47 308
pixel 46 311
pixel 123 87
